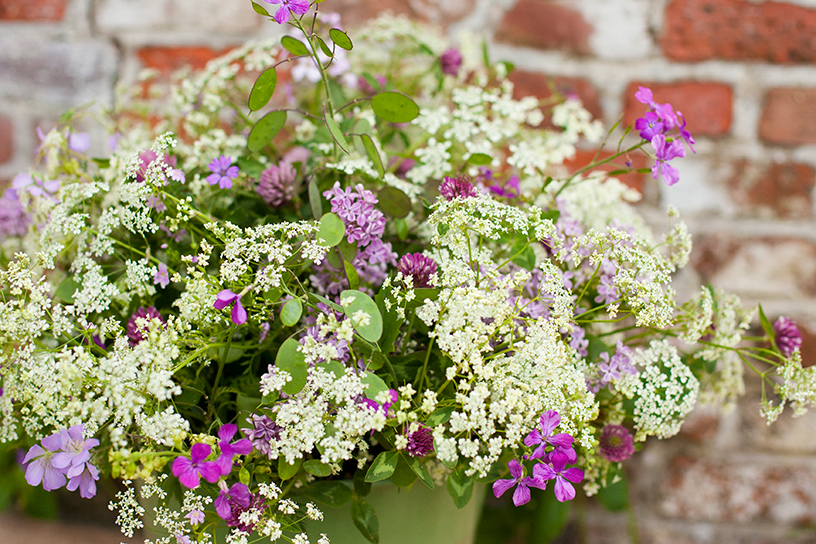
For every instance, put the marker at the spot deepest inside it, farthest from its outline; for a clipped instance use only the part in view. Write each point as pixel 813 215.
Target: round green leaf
pixel 285 470
pixel 265 129
pixel 480 159
pixel 376 385
pixel 291 312
pixel 294 46
pixel 394 202
pixel 263 89
pixel 394 107
pixel 365 519
pixel 340 39
pixel 332 229
pixel 355 301
pixel 316 468
pixel 292 361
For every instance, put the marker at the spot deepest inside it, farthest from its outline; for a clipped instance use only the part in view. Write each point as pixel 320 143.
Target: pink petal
pixel 239 314
pixel 521 495
pixel 573 474
pixel 242 447
pixel 224 299
pixel 515 469
pixel 210 471
pixel 500 487
pixel 222 506
pixel 53 479
pixel 533 438
pixel 226 432
pixel 564 490
pixel 199 452
pixel 34 452
pixel 34 473
pixel 549 421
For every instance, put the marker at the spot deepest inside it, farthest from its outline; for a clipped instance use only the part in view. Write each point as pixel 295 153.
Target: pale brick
pixel 781 190
pixel 215 16
pixel 621 28
pixel 114 16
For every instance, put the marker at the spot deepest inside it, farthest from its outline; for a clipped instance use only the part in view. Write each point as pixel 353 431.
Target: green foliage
pixel 265 129
pixel 365 519
pixel 263 89
pixel 293 362
pixel 394 107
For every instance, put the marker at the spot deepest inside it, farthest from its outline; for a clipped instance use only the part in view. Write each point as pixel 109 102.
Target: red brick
pixel 169 59
pixel 6 139
pixel 705 105
pixel 542 24
pixel 542 85
pixel 583 157
pixel 32 10
pixel 778 32
pixel 789 116
pixel 356 12
pixel 780 190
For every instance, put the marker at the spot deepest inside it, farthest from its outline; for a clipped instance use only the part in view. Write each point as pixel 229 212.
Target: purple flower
pixel 76 451
pixel 189 471
pixel 644 96
pixel 509 190
pixel 79 141
pixel 563 488
pixel 277 184
pixel 355 207
pixel 522 493
pixel 617 443
pixel 162 276
pixel 40 461
pixel 787 336
pixel 578 340
pixel 299 7
pixel 419 267
pixel 134 330
pixel 420 442
pixel 231 503
pixel 36 187
pixel 227 297
pixel 13 219
pixel 458 187
pixel 386 406
pixel 649 125
pixel 607 291
pixel 665 152
pixel 223 172
pixel 685 134
pixel 230 450
pixel 196 517
pixel 451 61
pixel 85 480
pixel 561 442
pixel 262 434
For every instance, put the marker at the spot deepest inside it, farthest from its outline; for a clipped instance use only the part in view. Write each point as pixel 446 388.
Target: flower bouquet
pixel 323 263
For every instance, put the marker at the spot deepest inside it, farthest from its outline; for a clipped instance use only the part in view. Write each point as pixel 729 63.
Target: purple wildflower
pixel 787 336
pixel 649 125
pixel 578 340
pixel 262 433
pixel 84 478
pixel 231 503
pixel 685 134
pixel 13 219
pixel 162 276
pixel 189 471
pixel 40 461
pixel 522 493
pixel 665 152
pixel 227 297
pixel 510 189
pixel 75 450
pixel 34 186
pixel 230 450
pixel 458 187
pixel 617 443
pixel 223 172
pixel 386 406
pixel 196 517
pixel 277 184
pixel 419 267
pixel 564 491
pixel 420 441
pixel 298 7
pixel 644 96
pixel 356 209
pixel 79 141
pixel 134 329
pixel 561 442
pixel 451 61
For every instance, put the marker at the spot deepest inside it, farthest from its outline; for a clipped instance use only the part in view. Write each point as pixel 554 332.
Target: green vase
pixel 417 516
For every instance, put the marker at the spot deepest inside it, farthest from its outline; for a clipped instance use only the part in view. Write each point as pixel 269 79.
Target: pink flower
pixel 522 493
pixel 561 442
pixel 228 451
pixel 227 297
pixel 564 491
pixel 299 7
pixel 162 276
pixel 189 471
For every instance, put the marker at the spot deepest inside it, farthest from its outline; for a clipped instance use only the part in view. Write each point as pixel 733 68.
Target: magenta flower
pixel 231 503
pixel 617 443
pixel 230 450
pixel 665 152
pixel 564 491
pixel 419 267
pixel 135 332
pixel 458 187
pixel 522 493
pixel 649 125
pixel 561 442
pixel 644 96
pixel 223 172
pixel 685 134
pixel 162 276
pixel 189 471
pixel 451 61
pixel 420 442
pixel 227 297
pixel 40 461
pixel 787 336
pixel 298 7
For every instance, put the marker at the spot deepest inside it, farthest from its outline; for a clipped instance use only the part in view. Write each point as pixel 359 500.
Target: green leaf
pixel 375 385
pixel 442 228
pixel 260 10
pixel 419 469
pixel 460 487
pixel 402 228
pixel 291 312
pixel 362 302
pixel 421 294
pixel 265 129
pixel 314 199
pixel 440 416
pixel 335 367
pixel 615 497
pixel 526 259
pixel 316 468
pixel 327 302
pixel 336 133
pixel 347 249
pixel 243 476
pixel 340 39
pixel 373 154
pixel 332 229
pixel 287 471
pixel 618 172
pixel 383 466
pixel 351 275
pixel 763 320
pixel 65 291
pixel 365 519
pixel 394 202
pixel 102 163
pixel 403 475
pixel 331 493
pixel 552 215
pixel 323 47
pixel 294 46
pixel 293 362
pixel 361 487
pixel 263 89
pixel 394 107
pixel 480 159
pixel 378 360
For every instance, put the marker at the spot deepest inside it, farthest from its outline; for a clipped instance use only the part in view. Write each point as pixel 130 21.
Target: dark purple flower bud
pixel 277 184
pixel 617 443
pixel 451 61
pixel 787 336
pixel 420 442
pixel 135 330
pixel 458 187
pixel 419 267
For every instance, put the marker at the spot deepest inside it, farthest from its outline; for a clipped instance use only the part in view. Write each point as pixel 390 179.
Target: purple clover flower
pixel 230 450
pixel 419 267
pixel 420 442
pixel 298 7
pixel 162 276
pixel 227 297
pixel 787 336
pixel 451 61
pixel 561 442
pixel 264 430
pixel 277 184
pixel 616 443
pixel 190 471
pixel 135 332
pixel 231 503
pixel 223 172
pixel 665 152
pixel 458 187
pixel 521 495
pixel 564 491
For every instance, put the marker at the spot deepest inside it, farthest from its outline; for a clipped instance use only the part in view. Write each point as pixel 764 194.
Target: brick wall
pixel 744 73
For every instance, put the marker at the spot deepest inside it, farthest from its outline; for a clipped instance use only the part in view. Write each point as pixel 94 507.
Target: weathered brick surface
pixel 544 24
pixel 32 10
pixel 6 139
pixel 584 157
pixel 781 190
pixel 169 59
pixel 123 16
pixel 789 116
pixel 539 85
pixel 778 32
pixel 707 106
pixel 355 12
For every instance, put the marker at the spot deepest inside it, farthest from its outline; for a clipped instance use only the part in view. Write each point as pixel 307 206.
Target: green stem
pixel 595 165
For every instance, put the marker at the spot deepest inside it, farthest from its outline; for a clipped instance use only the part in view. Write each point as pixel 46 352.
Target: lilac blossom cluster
pixel 655 127
pixel 609 370
pixel 63 457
